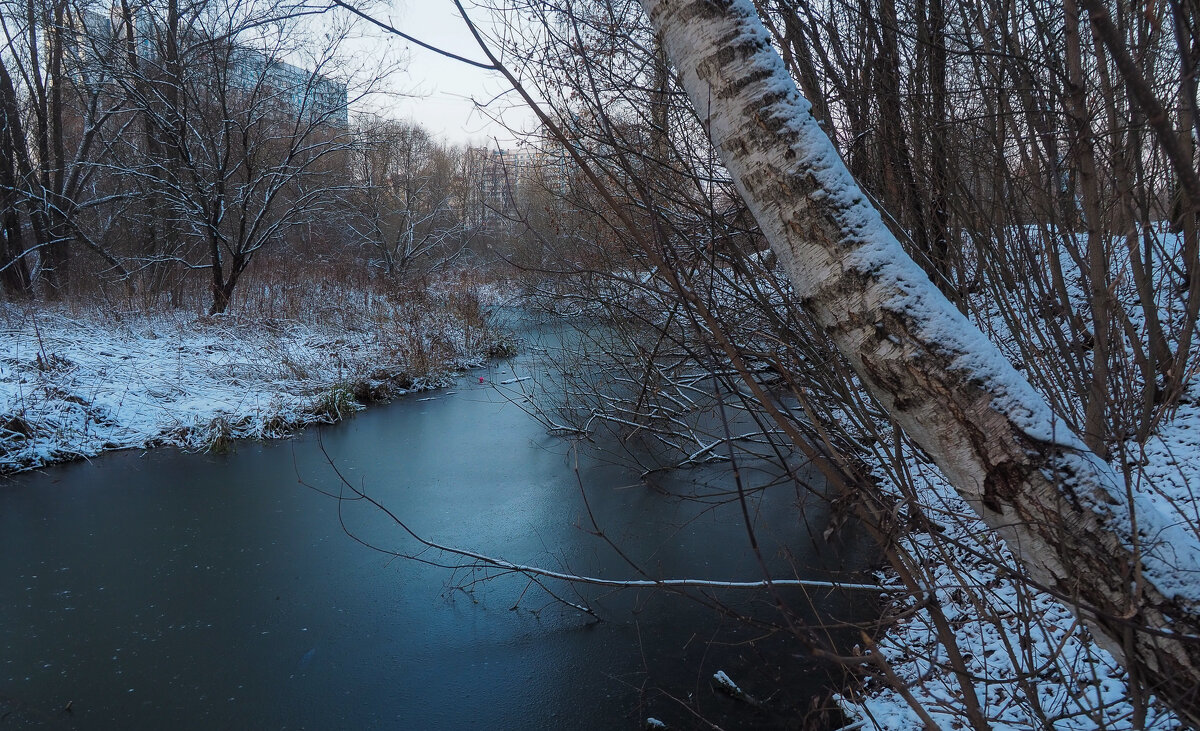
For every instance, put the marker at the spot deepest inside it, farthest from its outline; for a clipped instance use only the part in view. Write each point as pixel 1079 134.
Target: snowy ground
pixel 1030 663
pixel 76 382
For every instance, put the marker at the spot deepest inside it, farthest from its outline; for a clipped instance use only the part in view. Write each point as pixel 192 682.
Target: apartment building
pixel 102 50
pixel 501 176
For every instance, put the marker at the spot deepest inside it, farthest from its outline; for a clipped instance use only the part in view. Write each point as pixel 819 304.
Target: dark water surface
pixel 163 590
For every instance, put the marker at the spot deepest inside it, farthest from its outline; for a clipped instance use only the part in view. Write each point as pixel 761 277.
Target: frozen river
pixel 165 590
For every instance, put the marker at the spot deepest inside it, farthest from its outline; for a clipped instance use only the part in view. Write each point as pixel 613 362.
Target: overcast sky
pixel 438 92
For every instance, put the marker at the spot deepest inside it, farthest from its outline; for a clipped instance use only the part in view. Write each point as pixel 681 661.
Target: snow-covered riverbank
pixel 1023 654
pixel 75 382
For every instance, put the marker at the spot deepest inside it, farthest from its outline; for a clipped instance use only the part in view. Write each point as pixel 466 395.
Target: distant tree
pixel 404 203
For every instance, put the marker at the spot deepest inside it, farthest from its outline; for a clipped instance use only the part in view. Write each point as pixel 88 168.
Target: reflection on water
pixel 167 590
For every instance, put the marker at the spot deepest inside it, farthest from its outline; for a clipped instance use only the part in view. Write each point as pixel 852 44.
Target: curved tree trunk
pixel 1133 577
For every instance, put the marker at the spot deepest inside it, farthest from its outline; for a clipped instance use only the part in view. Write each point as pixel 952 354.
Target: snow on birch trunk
pixel 1128 572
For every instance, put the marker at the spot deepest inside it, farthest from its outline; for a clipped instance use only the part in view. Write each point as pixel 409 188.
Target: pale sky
pixel 438 92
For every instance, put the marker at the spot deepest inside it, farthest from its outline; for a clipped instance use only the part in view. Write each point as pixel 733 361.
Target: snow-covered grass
pixel 78 380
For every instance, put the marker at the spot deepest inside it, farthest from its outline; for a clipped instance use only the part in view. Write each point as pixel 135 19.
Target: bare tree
pixel 56 112
pixel 403 202
pixel 1035 180
pixel 16 275
pixel 1059 507
pixel 244 148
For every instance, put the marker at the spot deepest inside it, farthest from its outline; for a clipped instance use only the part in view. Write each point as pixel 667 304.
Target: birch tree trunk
pixel 1128 572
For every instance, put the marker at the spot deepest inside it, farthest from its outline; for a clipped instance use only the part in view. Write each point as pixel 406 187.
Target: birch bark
pixel 1126 570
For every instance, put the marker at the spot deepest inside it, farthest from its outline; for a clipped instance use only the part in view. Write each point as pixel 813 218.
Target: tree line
pixel 163 147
